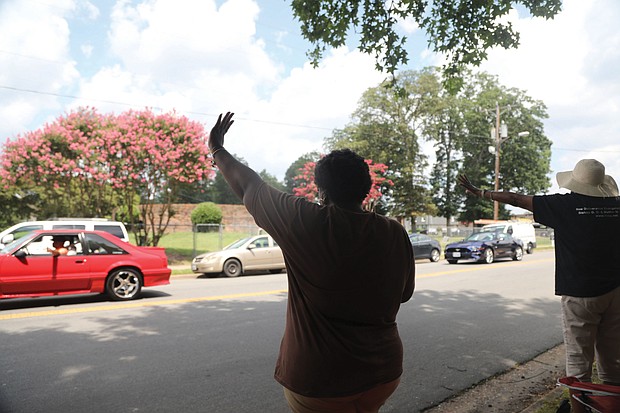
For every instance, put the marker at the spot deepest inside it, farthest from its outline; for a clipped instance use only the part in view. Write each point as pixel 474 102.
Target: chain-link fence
pixel 202 237
pixel 213 237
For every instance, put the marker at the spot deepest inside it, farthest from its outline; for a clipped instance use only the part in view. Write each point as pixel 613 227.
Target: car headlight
pixel 210 258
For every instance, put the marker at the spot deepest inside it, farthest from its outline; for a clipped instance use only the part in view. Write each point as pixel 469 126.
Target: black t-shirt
pixel 587 242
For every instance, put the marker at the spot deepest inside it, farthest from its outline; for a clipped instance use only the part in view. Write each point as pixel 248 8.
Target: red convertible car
pixel 90 262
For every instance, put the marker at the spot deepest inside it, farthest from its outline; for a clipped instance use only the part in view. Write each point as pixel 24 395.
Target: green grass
pixel 551 406
pixel 180 245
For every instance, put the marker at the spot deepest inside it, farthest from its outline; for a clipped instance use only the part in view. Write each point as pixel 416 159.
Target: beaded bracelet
pixel 216 151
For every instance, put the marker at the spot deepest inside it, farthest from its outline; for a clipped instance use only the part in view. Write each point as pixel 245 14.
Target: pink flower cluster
pixel 136 149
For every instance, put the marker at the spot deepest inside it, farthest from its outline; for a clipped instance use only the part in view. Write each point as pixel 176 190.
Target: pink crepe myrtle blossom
pixel 91 163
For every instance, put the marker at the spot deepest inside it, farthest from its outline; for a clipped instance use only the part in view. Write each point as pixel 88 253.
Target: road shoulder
pixel 518 390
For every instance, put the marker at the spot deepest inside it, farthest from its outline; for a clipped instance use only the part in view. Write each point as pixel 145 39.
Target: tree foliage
pixel 292 172
pixel 272 180
pixel 462 29
pixel 524 161
pixel 206 213
pixel 17 205
pixel 391 124
pixel 86 164
pixel 387 127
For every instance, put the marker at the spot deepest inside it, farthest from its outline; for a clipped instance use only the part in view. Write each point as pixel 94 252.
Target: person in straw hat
pixel 586 222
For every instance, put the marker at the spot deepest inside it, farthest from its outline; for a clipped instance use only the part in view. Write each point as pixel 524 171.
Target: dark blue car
pixel 425 247
pixel 484 247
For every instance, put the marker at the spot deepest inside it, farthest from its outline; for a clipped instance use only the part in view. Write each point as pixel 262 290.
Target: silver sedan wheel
pixel 232 268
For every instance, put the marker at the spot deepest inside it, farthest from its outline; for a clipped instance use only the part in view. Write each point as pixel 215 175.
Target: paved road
pixel 209 345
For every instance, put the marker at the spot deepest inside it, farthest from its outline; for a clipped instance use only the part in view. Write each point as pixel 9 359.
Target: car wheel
pixel 452 261
pixel 518 254
pixel 530 248
pixel 434 255
pixel 124 284
pixel 488 256
pixel 232 268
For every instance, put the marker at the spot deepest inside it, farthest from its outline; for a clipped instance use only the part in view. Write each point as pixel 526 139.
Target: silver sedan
pixel 257 253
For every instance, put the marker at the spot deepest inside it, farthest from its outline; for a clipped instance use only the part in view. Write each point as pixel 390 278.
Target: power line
pixel 584 150
pixel 60 95
pixel 38 92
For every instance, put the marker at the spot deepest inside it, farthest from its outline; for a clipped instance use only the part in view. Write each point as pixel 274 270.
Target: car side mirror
pixel 20 254
pixel 8 238
pixel 251 246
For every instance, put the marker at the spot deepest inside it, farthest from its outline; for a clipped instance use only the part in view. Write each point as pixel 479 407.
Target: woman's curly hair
pixel 343 175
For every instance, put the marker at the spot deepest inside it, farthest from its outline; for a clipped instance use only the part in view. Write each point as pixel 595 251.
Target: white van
pixel 521 230
pixel 91 224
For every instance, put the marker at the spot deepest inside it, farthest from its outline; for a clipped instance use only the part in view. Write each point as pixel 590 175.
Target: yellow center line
pixel 137 304
pixel 142 303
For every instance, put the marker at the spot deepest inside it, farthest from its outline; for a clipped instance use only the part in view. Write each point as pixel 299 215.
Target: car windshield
pixel 481 236
pixel 237 243
pixel 11 246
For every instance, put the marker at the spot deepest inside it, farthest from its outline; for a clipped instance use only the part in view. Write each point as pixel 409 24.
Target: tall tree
pixel 272 180
pixel 386 128
pixel 445 128
pixel 390 124
pixel 153 154
pixel 294 169
pixel 66 164
pixel 462 29
pixel 525 161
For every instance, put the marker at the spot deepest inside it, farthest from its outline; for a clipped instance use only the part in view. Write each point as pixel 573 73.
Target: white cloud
pixel 408 25
pixel 303 110
pixel 35 61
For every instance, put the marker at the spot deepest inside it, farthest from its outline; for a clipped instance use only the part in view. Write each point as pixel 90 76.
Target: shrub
pixel 206 213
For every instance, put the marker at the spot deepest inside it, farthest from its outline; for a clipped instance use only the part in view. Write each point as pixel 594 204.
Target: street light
pixel 500 128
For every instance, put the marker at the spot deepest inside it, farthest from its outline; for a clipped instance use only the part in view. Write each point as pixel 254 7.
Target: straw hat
pixel 588 178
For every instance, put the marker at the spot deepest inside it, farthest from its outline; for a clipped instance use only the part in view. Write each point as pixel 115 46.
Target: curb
pixel 523 388
pixel 549 398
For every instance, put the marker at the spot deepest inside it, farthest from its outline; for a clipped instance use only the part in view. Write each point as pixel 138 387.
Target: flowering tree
pixel 86 164
pixel 305 180
pixel 308 189
pixel 64 162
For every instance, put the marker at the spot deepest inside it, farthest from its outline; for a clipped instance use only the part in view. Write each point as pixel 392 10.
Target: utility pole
pixel 500 135
pixel 497 145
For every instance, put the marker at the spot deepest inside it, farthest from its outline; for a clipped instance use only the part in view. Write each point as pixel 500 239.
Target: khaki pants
pixel 592 331
pixel 365 402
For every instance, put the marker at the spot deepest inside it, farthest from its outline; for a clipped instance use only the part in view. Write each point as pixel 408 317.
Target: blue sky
pixel 201 57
